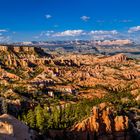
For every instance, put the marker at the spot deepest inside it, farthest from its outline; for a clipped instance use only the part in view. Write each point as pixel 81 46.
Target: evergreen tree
pixel 40 120
pixel 31 119
pixel 56 117
pixel 48 119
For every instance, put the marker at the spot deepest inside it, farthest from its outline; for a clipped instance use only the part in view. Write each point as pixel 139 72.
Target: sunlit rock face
pixel 14 56
pixel 102 125
pixel 116 58
pixel 3 48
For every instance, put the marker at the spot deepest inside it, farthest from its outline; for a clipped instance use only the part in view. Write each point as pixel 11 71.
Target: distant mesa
pixel 113 42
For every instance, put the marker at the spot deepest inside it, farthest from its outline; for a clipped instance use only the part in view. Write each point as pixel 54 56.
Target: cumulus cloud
pixel 48 16
pixel 71 33
pixel 85 18
pixel 3 30
pixel 103 32
pixel 80 34
pixel 64 35
pixel 134 29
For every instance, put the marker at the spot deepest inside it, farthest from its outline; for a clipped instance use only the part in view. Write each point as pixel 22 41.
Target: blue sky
pixel 26 20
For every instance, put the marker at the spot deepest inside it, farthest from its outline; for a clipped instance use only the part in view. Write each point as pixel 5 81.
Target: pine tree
pixel 48 119
pixel 40 120
pixel 31 119
pixel 56 117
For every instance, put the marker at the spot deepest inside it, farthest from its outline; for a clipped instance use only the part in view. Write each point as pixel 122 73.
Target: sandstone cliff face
pixel 16 49
pixel 13 56
pixel 3 48
pixel 102 125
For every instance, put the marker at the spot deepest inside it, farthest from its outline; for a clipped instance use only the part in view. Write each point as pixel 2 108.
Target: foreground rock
pixel 12 129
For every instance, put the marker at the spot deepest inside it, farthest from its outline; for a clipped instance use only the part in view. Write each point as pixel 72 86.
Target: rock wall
pixel 101 125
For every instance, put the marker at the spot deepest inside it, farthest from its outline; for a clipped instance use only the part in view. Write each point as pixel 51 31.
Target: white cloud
pixel 103 32
pixel 134 29
pixel 85 18
pixel 71 33
pixel 3 30
pixel 48 16
pixel 80 34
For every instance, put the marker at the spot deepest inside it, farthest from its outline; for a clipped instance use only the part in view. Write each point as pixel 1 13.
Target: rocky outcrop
pixel 13 56
pixel 12 129
pixel 102 125
pixel 3 48
pixel 16 48
pixel 115 58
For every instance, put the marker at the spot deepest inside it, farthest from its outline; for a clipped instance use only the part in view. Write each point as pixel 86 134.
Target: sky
pixel 34 20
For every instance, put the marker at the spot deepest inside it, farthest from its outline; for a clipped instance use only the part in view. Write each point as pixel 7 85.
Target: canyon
pixel 70 95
